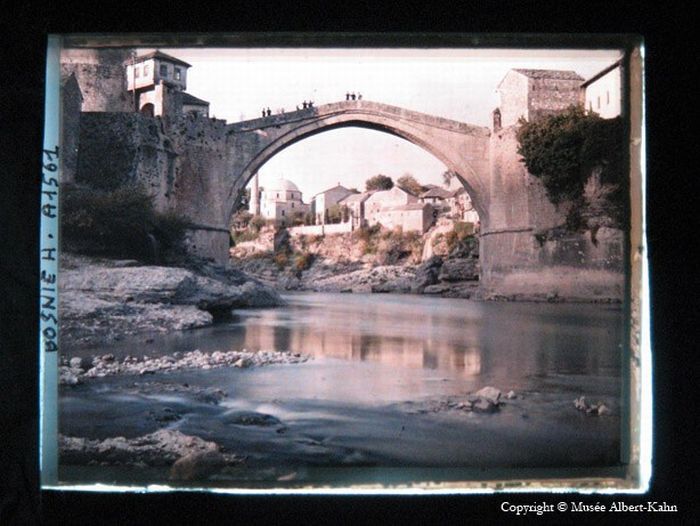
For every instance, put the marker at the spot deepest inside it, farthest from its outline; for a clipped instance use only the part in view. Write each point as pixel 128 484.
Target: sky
pixel 457 84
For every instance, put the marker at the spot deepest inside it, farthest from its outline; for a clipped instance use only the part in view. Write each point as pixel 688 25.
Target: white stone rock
pixel 489 393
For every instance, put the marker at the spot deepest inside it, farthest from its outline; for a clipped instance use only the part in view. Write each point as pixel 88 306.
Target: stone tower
pixel 536 93
pixel 100 76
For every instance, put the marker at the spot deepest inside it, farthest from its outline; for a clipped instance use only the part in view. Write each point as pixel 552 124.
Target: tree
pixel 409 183
pixel 447 177
pixel 379 182
pixel 242 199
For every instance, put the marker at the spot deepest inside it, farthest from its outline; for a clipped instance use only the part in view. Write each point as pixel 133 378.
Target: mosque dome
pixel 283 185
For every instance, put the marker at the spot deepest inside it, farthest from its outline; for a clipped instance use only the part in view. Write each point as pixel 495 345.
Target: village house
pixel 157 82
pixel 398 208
pixel 602 93
pixel 356 208
pixel 323 201
pixel 461 207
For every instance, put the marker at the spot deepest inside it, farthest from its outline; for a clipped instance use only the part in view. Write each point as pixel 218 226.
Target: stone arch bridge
pixel 198 167
pixel 463 148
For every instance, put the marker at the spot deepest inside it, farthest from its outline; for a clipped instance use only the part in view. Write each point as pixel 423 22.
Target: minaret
pixel 255 197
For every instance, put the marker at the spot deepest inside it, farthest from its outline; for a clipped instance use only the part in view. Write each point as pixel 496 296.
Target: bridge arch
pixel 439 137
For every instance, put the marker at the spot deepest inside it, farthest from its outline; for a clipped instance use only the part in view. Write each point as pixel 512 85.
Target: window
pixel 137 71
pixel 598 102
pixel 145 70
pixel 163 70
pixel 178 74
pixel 283 212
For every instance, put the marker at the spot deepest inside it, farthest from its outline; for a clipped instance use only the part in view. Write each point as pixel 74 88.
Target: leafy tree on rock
pixel 566 150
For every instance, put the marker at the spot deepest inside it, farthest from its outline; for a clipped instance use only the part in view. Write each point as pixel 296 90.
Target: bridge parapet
pixel 358 106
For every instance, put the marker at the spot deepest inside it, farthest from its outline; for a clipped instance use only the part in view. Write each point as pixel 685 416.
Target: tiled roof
pixel 356 198
pixel 550 74
pixel 438 192
pixel 162 56
pixel 191 99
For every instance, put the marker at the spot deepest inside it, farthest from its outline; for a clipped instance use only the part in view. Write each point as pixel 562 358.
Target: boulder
pixel 460 269
pixel 484 405
pixel 427 274
pixel 160 448
pixel 489 393
pixel 436 289
pixel 199 465
pixel 251 418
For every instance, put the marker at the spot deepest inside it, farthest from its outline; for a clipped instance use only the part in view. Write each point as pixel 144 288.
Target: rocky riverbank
pixel 103 300
pixel 74 370
pixel 456 278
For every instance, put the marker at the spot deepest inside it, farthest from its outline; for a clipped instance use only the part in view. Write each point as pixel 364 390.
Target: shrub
pixel 564 150
pixel 366 237
pixel 395 245
pixel 303 261
pixel 281 260
pixel 118 223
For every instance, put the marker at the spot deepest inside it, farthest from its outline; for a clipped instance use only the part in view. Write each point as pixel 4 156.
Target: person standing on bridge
pixel 352 95
pixel 347 95
pixel 304 104
pixel 263 112
pixel 269 111
pixel 359 96
pixel 311 104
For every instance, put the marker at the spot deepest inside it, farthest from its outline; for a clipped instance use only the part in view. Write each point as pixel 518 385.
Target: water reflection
pixel 460 337
pixel 466 338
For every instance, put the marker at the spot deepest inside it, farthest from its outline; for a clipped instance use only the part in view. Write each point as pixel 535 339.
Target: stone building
pixel 410 217
pixel 398 208
pixel 602 93
pixel 461 206
pixel 535 93
pixel 280 201
pixel 356 208
pixel 323 201
pixel 152 78
pixel 191 105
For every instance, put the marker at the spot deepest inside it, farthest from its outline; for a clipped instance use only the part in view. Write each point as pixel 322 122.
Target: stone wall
pixel 122 148
pixel 548 96
pixel 201 174
pixel 71 104
pixel 513 95
pixel 519 261
pixel 101 74
pixel 183 166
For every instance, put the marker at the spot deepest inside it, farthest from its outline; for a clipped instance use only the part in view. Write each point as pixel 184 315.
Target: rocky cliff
pixel 103 300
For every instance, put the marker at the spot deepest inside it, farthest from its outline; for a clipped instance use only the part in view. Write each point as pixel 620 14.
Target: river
pixel 375 395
